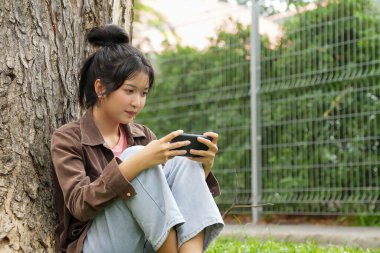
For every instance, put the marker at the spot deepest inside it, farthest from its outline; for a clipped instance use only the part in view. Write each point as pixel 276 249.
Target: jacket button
pixel 128 194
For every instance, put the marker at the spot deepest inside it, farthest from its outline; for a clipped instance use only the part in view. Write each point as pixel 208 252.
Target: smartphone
pixel 195 144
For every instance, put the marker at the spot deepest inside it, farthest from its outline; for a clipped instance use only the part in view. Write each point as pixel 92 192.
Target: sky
pixel 194 21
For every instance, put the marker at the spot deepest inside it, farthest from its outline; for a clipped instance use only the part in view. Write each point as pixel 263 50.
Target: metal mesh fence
pixel 319 110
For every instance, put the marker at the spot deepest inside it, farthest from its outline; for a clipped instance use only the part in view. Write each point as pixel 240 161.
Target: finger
pixel 179 144
pixel 211 145
pixel 173 153
pixel 171 136
pixel 205 141
pixel 202 153
pixel 214 136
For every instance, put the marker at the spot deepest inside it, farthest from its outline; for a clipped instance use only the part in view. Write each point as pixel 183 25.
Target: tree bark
pixel 42 45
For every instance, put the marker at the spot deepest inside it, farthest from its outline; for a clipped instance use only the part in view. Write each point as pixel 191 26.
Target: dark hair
pixel 113 62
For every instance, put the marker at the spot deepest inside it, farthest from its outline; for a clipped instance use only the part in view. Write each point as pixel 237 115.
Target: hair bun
pixel 107 35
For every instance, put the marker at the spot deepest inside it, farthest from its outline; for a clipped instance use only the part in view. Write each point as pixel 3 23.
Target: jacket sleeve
pixel 83 198
pixel 213 184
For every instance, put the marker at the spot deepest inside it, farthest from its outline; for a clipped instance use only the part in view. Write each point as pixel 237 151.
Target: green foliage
pixel 319 109
pixel 363 220
pixel 232 245
pixel 321 130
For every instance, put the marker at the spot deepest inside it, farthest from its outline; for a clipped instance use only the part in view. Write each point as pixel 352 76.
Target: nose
pixel 135 100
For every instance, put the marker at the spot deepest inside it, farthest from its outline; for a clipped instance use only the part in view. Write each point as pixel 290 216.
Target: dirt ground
pixel 291 220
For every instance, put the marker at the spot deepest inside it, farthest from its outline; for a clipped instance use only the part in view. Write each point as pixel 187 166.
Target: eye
pixel 145 93
pixel 129 91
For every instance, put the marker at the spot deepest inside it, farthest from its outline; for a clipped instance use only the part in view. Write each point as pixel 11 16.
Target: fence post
pixel 255 111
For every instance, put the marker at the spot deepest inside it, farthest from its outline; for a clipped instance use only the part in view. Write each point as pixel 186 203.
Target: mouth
pixel 131 114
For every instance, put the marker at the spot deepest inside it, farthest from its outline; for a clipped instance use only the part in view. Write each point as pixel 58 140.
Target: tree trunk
pixel 42 44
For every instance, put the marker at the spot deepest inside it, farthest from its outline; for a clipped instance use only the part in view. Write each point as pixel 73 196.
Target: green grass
pixel 250 245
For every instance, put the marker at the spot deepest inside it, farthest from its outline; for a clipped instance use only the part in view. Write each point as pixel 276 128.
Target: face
pixel 123 105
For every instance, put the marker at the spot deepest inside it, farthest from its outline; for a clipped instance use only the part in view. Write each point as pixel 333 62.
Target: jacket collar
pixel 91 135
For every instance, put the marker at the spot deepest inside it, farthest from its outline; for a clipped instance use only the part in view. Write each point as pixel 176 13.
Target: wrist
pixel 207 169
pixel 140 163
pixel 132 167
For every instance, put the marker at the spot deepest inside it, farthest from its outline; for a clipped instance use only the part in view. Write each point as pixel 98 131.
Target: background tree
pixel 146 17
pixel 42 45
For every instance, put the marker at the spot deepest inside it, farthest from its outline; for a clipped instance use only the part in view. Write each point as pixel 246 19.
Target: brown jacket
pixel 87 177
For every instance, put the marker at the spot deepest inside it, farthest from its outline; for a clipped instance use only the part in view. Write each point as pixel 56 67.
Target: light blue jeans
pixel 173 196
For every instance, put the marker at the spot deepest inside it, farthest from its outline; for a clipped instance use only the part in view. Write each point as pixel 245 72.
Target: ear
pixel 99 88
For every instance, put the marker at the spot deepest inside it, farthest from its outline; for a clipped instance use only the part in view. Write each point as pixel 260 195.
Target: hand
pixel 160 151
pixel 208 156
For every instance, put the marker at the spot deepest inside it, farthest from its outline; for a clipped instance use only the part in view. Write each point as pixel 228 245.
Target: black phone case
pixel 195 144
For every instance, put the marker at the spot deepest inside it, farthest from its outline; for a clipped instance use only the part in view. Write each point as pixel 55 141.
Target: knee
pixel 150 176
pixel 130 151
pixel 182 166
pixel 182 161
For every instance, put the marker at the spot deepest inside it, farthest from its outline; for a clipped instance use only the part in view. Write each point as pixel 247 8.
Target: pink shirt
pixel 121 144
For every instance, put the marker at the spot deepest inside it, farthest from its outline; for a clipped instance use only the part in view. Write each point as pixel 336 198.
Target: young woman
pixel 112 192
